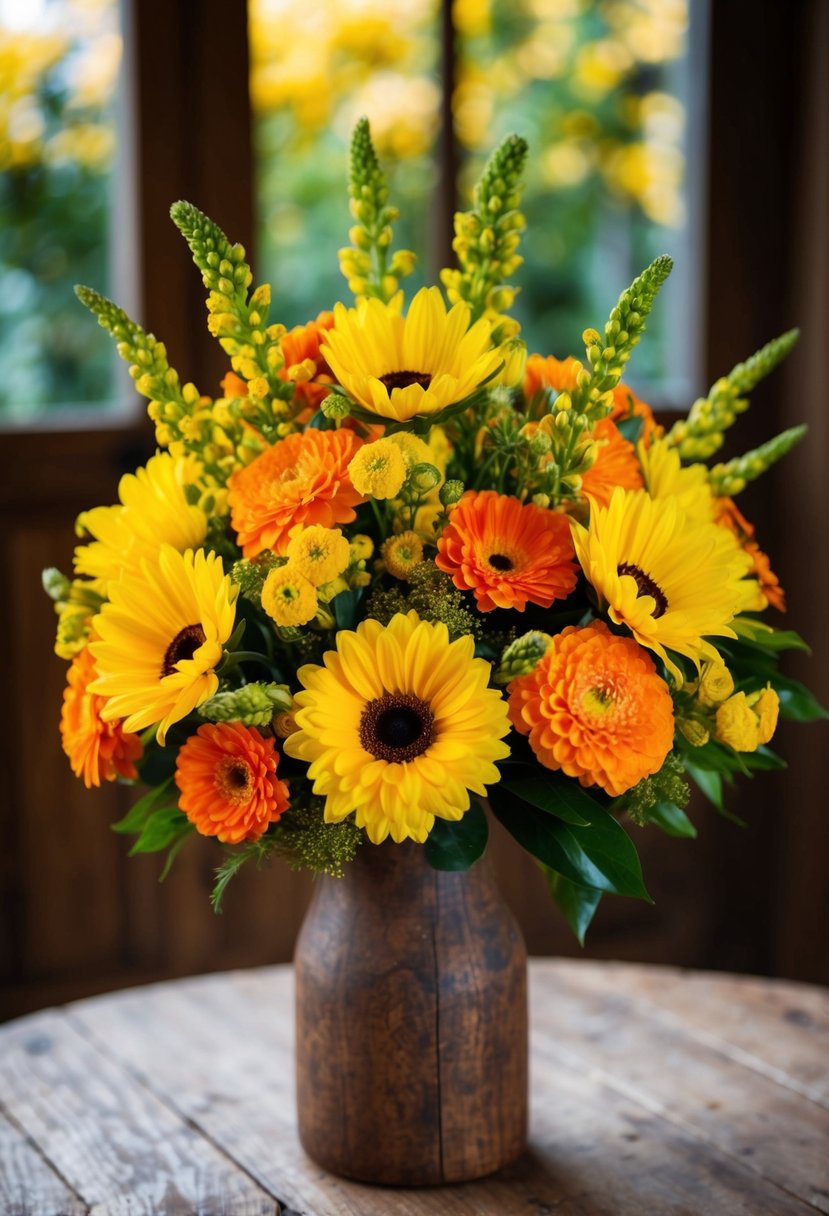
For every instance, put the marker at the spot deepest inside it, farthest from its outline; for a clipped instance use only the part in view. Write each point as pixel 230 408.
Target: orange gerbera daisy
pixel 97 750
pixel 728 515
pixel 509 554
pixel 305 365
pixel 627 405
pixel 616 464
pixel 226 773
pixel 545 371
pixel 300 480
pixel 595 708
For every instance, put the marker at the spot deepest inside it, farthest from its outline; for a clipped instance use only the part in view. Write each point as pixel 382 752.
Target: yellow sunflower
pixel 398 726
pixel 666 477
pixel 161 636
pixel 402 367
pixel 672 580
pixel 153 510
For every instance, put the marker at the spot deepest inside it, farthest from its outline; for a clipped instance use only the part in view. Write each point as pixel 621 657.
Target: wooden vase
pixel 411 1020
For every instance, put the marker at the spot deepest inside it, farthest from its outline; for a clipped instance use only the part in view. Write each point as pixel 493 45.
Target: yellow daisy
pixel 672 580
pixel 398 726
pixel 404 367
pixel 161 637
pixel 666 477
pixel 153 510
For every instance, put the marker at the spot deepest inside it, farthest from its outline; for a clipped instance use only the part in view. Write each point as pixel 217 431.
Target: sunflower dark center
pixel 500 561
pixel 404 379
pixel 645 586
pixel 183 646
pixel 396 727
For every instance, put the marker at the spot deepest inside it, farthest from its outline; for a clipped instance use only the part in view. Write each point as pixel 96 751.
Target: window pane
pixel 59 62
pixel 602 93
pixel 315 69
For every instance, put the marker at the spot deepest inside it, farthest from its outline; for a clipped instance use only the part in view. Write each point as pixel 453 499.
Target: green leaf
pixel 163 828
pixel 577 903
pixel 671 819
pixel 558 797
pixel 456 844
pixel 796 701
pixel 758 634
pixel 600 854
pixel 630 429
pixel 185 831
pixel 138 814
pixel 345 607
pixel 236 637
pixel 709 783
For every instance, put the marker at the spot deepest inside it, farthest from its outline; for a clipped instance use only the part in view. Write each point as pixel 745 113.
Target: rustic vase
pixel 411 1021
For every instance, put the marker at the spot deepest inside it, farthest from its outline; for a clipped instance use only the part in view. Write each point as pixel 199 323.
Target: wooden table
pixel 654 1091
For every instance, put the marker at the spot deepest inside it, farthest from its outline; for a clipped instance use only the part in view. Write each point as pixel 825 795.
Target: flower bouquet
pixel 397 567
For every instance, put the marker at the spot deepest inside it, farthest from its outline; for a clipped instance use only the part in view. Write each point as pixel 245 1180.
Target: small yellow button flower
pixel 402 553
pixel 319 553
pixel 378 470
pixel 288 597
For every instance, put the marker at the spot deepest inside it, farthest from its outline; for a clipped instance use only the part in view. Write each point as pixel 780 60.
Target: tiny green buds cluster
pixel 368 264
pixel 702 433
pixel 170 401
pixel 249 573
pixel 666 786
pixel 240 323
pixel 76 602
pixel 521 656
pixel 487 239
pixel 252 704
pixel 608 354
pixel 733 476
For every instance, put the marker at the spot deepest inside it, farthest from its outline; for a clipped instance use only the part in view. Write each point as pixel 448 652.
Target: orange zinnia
pixel 509 554
pixel 616 464
pixel 300 480
pixel 97 750
pixel 226 773
pixel 548 372
pixel 301 349
pixel 729 516
pixel 595 708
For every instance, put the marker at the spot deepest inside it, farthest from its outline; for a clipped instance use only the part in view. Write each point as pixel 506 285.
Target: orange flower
pixel 616 464
pixel 233 386
pixel 595 708
pixel 305 365
pixel 226 773
pixel 627 405
pixel 729 516
pixel 97 750
pixel 300 480
pixel 508 554
pixel 548 372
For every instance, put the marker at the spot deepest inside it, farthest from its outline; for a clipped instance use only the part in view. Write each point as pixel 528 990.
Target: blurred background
pixel 678 126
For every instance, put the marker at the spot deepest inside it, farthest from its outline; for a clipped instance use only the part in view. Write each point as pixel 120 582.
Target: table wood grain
pixel 654 1091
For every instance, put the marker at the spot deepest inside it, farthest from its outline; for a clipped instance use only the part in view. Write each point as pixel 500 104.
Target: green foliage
pixel 487 239
pixel 702 433
pixel 646 802
pixel 607 356
pixel 249 573
pixel 253 704
pixel 598 854
pixel 733 476
pixel 432 595
pixel 457 844
pixel 577 903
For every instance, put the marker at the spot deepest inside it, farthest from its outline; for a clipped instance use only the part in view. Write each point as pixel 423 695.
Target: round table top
pixel 653 1091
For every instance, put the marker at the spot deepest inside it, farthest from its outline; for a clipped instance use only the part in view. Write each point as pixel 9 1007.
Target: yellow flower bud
pixel 715 684
pixel 696 734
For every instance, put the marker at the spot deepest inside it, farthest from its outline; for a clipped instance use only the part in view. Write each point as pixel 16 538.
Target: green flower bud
pixel 254 704
pixel 336 406
pixel 521 656
pixel 450 493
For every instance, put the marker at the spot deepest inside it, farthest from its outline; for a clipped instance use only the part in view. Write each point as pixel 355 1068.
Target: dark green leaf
pixel 456 844
pixel 631 428
pixel 236 637
pixel 185 830
pixel 796 702
pixel 671 819
pixel 138 814
pixel 775 640
pixel 163 828
pixel 558 797
pixel 710 783
pixel 577 903
pixel 345 607
pixel 600 854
